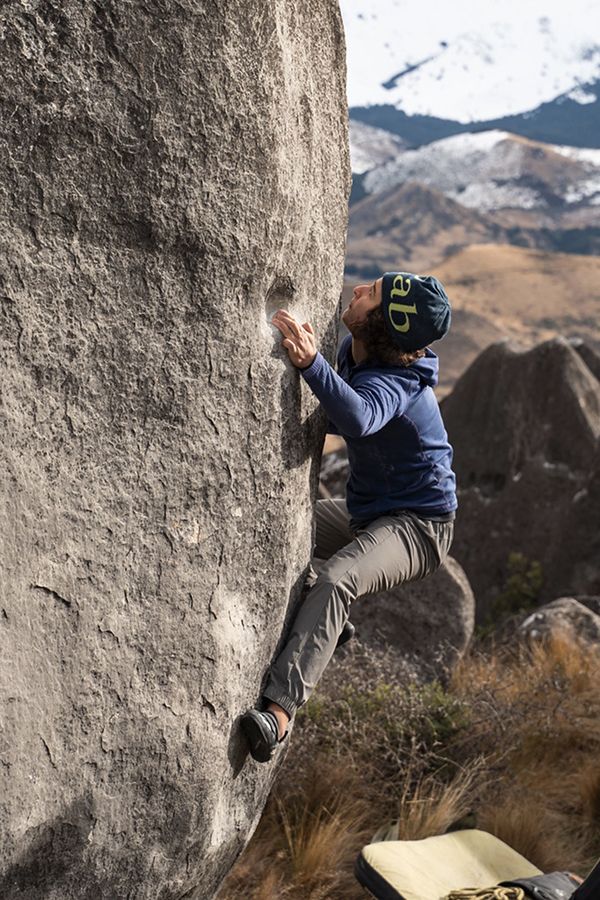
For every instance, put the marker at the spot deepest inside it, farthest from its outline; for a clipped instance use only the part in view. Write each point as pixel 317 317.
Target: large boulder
pixel 428 623
pixel 173 172
pixel 525 428
pixel 577 551
pixel 512 406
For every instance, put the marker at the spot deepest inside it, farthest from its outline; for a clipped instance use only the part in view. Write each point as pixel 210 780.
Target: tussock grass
pixel 307 840
pixel 431 806
pixel 536 718
pixel 519 825
pixel 511 743
pixel 589 792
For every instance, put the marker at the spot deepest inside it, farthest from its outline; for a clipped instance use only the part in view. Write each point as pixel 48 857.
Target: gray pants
pixel 394 548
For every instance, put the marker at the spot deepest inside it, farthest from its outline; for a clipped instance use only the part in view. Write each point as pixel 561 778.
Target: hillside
pixel 528 291
pixel 563 120
pixel 413 226
pixel 421 205
pixel 524 295
pixel 496 169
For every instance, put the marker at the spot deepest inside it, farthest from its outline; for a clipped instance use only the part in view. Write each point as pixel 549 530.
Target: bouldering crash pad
pixel 430 868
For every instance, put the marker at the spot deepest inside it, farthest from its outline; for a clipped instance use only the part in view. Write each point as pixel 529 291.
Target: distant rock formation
pixel 172 173
pixel 428 623
pixel 525 427
pixel 590 356
pixel 566 615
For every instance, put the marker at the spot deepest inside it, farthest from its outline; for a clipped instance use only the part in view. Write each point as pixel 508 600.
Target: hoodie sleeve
pixel 361 409
pixel 331 427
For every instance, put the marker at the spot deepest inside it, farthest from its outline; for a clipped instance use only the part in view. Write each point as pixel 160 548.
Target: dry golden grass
pixel 319 828
pixel 482 279
pixel 589 792
pixel 512 292
pixel 524 760
pixel 537 718
pixel 431 806
pixel 533 832
pixel 306 841
pixel 545 698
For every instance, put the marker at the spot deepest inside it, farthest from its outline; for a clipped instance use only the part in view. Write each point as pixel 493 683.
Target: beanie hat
pixel 416 309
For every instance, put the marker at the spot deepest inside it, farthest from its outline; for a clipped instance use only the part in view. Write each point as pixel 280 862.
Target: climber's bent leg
pixel 390 550
pixel 333 532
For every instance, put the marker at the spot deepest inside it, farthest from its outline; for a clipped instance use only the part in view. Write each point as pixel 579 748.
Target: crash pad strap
pixel 492 893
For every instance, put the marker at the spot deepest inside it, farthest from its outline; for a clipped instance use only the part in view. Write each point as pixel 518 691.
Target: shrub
pixel 520 592
pixel 382 723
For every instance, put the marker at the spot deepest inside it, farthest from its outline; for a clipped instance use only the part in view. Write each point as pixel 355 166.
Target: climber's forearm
pixel 356 413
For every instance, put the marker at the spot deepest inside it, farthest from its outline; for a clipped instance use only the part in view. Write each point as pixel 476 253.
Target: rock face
pixel 172 174
pixel 428 623
pixel 525 427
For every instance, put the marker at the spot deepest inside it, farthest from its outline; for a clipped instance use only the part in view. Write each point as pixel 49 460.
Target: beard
pixel 354 328
pixel 357 329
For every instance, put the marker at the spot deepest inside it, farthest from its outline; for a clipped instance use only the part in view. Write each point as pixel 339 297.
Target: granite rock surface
pixel 172 174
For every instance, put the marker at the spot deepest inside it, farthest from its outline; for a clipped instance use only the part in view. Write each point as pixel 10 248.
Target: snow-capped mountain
pixel 494 170
pixel 497 107
pixel 471 60
pixel 371 147
pixel 490 187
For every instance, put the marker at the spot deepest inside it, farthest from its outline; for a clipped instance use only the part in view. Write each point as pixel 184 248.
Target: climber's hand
pixel 298 340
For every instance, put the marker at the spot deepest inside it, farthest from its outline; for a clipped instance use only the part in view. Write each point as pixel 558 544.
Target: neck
pixel 359 351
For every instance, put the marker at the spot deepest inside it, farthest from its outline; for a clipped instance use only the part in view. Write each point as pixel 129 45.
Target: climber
pixel 397 521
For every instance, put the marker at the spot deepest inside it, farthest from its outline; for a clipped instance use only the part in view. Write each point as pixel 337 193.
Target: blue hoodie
pixel 398 449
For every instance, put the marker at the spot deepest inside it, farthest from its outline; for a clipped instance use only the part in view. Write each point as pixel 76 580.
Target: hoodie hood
pixel 427 368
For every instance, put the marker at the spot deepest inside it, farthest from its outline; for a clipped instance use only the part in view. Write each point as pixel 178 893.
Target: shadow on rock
pixel 53 853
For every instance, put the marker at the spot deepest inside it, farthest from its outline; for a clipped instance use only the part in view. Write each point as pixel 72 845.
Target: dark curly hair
pixel 378 344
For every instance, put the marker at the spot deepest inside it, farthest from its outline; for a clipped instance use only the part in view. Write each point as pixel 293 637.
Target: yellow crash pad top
pixel 429 869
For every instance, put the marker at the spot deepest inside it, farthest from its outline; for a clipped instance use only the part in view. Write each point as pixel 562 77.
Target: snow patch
pixel 588 191
pixel 452 164
pixel 580 95
pixel 371 147
pixel 487 195
pixel 581 154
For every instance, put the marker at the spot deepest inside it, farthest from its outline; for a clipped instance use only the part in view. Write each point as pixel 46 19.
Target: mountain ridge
pixel 426 203
pixel 558 121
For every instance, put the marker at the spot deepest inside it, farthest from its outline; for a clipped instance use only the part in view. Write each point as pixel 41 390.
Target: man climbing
pixel 396 523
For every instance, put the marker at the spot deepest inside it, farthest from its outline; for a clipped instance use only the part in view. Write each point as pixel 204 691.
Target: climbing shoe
pixel 262 732
pixel 347 633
